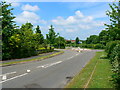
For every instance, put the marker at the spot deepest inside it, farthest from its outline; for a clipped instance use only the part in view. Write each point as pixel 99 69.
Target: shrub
pixel 44 50
pixel 93 46
pixel 115 61
pixel 109 47
pixel 99 46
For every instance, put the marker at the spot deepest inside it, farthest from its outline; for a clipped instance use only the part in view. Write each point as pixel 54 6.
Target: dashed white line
pixel 14 77
pixel 48 65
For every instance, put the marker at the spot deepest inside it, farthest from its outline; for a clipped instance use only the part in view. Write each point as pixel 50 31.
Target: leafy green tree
pixel 51 35
pixel 68 42
pixel 28 44
pixel 93 39
pixel 113 47
pixel 60 42
pixel 8 29
pixel 77 40
pixel 39 36
pixel 104 37
pixel 114 27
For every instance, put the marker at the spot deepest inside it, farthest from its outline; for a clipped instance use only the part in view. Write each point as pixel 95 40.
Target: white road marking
pixel 14 77
pixel 52 64
pixel 48 65
pixel 8 73
pixel 70 57
pixel 28 70
pixel 4 77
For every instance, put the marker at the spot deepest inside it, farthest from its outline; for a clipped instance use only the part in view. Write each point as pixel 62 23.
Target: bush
pixel 115 61
pixel 99 46
pixel 93 46
pixel 44 50
pixel 109 47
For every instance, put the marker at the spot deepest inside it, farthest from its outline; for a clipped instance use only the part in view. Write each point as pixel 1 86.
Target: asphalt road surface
pixel 53 72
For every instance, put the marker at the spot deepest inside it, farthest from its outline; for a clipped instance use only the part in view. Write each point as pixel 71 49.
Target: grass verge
pixel 101 77
pixel 34 59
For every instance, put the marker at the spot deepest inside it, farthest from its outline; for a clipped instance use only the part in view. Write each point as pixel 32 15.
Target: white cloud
pixel 30 8
pixel 70 30
pixel 79 14
pixel 78 23
pixel 27 16
pixel 15 4
pixel 71 20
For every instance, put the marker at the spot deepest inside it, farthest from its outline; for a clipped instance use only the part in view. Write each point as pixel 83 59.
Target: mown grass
pixel 34 59
pixel 101 77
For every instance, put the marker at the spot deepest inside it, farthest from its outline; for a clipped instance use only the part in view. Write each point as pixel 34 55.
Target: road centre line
pixel 14 77
pixel 48 65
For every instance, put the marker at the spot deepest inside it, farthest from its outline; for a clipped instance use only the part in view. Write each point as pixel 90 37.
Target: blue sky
pixel 70 19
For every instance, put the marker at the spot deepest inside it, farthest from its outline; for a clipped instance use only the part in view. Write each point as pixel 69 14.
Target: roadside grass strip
pixel 35 59
pixel 96 74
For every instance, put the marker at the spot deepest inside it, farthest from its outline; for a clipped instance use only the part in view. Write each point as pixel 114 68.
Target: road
pixel 53 72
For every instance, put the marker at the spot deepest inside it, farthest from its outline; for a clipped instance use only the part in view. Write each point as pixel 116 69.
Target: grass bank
pixel 96 74
pixel 34 59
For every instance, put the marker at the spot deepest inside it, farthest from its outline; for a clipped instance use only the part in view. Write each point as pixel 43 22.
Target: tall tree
pixel 39 37
pixel 8 28
pixel 51 35
pixel 77 40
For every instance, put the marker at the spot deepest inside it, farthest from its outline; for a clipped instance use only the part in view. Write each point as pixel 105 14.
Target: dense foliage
pixel 113 46
pixel 60 42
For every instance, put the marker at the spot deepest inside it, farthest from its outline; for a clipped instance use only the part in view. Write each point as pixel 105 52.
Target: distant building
pixel 72 41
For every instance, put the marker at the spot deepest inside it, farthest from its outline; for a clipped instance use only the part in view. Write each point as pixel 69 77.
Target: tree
pixel 68 42
pixel 27 47
pixel 93 39
pixel 8 29
pixel 51 35
pixel 112 47
pixel 104 37
pixel 39 36
pixel 38 29
pixel 114 27
pixel 60 42
pixel 77 40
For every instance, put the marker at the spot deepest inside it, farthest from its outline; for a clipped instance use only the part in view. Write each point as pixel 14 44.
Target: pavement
pixel 53 72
